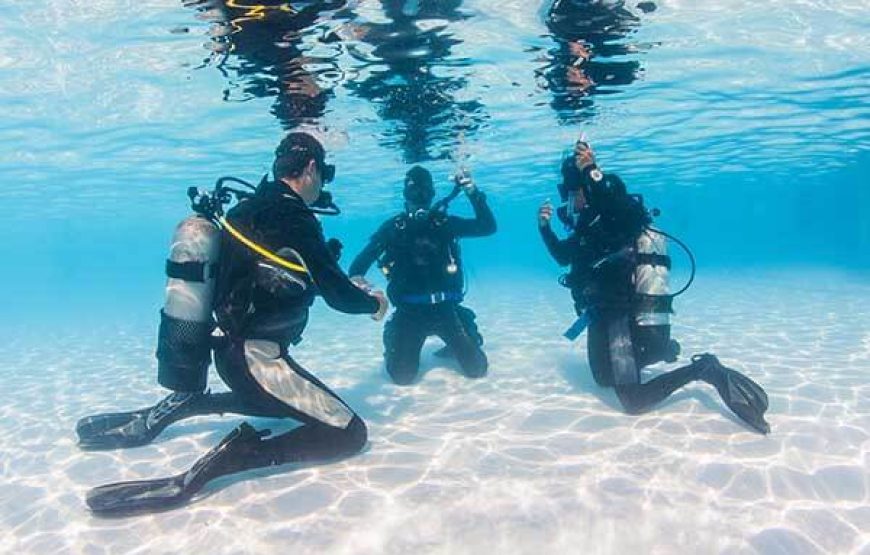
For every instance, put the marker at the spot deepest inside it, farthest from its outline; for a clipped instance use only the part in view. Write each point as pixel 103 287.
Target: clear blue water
pixel 746 123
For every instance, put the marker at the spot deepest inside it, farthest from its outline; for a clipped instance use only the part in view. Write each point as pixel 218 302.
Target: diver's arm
pixel 370 253
pixel 481 225
pixel 560 250
pixel 332 283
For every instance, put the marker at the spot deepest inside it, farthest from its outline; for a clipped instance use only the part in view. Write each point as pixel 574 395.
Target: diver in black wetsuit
pixel 261 303
pixel 610 239
pixel 419 253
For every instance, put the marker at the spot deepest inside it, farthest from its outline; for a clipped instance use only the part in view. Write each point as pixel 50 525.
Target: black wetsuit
pixel 262 308
pixel 426 285
pixel 618 347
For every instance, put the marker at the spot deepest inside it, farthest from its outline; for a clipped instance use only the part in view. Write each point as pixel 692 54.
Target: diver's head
pixel 419 190
pixel 300 164
pixel 582 183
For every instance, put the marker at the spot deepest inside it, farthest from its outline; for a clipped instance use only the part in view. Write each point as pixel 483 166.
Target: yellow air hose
pixel 260 250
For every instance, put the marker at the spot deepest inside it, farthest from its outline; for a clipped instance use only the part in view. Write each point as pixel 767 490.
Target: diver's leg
pixel 641 397
pixel 404 335
pixel 451 328
pixel 330 430
pixel 653 344
pixel 637 397
pixel 742 395
pixel 140 427
pixel 469 320
pixel 598 352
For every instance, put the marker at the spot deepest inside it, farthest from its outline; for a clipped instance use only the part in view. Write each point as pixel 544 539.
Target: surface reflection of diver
pixel 262 44
pixel 410 77
pixel 270 260
pixel 619 283
pixel 590 40
pixel 419 254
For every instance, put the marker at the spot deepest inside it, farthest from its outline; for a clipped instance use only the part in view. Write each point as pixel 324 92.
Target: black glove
pixel 335 246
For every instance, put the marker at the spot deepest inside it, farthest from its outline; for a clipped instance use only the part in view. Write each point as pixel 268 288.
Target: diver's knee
pixel 628 402
pixel 477 369
pixel 402 378
pixel 357 434
pixel 602 380
pixel 476 373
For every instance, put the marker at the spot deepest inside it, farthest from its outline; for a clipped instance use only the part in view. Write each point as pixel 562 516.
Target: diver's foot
pixel 132 429
pixel 742 395
pixel 672 351
pixel 236 452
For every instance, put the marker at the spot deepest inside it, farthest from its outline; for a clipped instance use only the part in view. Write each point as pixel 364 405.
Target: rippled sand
pixel 532 459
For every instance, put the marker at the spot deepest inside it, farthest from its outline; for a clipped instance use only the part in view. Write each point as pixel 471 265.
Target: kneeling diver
pixel 618 281
pixel 270 259
pixel 419 254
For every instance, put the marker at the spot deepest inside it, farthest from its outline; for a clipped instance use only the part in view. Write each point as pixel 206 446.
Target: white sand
pixel 533 459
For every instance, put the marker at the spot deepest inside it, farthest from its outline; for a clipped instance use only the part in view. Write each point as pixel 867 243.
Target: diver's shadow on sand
pixel 578 374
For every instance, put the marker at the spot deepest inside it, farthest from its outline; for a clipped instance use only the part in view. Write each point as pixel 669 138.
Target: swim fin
pixel 742 395
pixel 236 452
pixel 135 428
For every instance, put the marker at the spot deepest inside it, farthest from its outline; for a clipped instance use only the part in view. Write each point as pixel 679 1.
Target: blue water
pixel 746 123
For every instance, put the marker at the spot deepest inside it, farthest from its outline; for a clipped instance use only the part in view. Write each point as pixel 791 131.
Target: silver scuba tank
pixel 184 338
pixel 195 246
pixel 651 274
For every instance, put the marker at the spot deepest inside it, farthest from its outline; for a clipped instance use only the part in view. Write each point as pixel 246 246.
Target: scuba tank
pixel 186 322
pixel 183 340
pixel 652 301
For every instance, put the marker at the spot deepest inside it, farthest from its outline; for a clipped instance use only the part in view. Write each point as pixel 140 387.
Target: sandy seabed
pixel 532 459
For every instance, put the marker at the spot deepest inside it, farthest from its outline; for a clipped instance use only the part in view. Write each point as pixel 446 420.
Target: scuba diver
pixel 257 269
pixel 619 283
pixel 418 251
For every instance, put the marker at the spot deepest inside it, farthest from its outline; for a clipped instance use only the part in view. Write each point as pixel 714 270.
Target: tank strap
pixel 654 303
pixel 190 271
pixel 654 259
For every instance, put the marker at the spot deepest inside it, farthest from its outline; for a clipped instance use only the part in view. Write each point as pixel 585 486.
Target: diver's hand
pixel 545 214
pixel 383 305
pixel 335 246
pixel 362 283
pixel 583 155
pixel 463 180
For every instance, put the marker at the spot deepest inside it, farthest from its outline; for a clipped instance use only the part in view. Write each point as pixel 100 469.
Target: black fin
pixel 236 452
pixel 132 429
pixel 742 395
